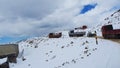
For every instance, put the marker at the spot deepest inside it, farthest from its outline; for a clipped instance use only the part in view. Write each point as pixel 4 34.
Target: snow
pixel 113 19
pixel 3 60
pixel 67 52
pixel 82 52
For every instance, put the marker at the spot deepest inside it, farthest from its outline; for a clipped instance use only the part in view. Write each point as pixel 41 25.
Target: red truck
pixel 109 33
pixel 55 35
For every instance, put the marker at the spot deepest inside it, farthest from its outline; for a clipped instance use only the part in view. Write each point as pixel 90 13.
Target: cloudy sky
pixel 21 19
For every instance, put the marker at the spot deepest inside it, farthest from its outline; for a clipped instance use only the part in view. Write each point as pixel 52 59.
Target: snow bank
pixel 68 52
pixel 3 60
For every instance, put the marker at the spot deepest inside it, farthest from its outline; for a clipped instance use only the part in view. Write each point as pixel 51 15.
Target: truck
pixel 73 33
pixel 55 35
pixel 10 51
pixel 109 33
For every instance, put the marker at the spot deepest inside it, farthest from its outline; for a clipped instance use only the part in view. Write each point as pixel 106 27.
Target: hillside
pixel 113 19
pixel 67 52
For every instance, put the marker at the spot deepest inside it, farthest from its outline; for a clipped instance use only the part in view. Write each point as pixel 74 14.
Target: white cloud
pixel 37 17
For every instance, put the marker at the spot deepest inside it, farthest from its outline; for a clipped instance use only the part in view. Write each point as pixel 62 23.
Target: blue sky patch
pixel 4 40
pixel 87 8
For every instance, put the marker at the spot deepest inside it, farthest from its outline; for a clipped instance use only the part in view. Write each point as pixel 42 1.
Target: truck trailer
pixel 109 33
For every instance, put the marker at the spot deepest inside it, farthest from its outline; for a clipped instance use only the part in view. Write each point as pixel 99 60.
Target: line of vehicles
pixel 72 33
pixel 107 32
pixel 11 51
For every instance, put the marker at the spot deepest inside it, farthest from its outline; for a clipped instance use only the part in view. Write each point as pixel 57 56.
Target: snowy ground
pixel 68 52
pixel 3 60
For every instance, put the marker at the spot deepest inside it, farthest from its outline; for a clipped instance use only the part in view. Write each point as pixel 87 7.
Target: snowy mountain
pixel 70 52
pixel 80 52
pixel 113 19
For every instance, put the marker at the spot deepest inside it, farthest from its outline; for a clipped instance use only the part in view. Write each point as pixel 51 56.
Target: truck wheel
pixel 110 36
pixel 113 36
pixel 105 36
pixel 118 36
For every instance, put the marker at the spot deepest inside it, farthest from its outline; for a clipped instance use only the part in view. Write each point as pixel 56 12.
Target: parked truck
pixel 73 33
pixel 55 35
pixel 109 33
pixel 10 51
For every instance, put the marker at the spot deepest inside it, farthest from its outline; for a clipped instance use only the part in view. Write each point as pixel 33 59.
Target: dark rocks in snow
pixel 51 51
pixel 87 41
pixel 53 57
pixel 86 51
pixel 71 42
pixel 29 64
pixel 30 42
pixel 63 64
pixel 94 49
pixel 23 58
pixel 89 53
pixel 83 43
pixel 62 46
pixel 82 57
pixel 86 47
pixel 46 60
pixel 36 46
pixel 67 45
pixel 74 61
pixel 67 62
pixel 46 53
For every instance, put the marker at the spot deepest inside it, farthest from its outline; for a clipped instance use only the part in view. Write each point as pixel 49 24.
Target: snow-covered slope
pixel 68 52
pixel 113 19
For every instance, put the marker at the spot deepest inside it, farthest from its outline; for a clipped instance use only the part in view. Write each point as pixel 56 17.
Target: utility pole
pixel 96 38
